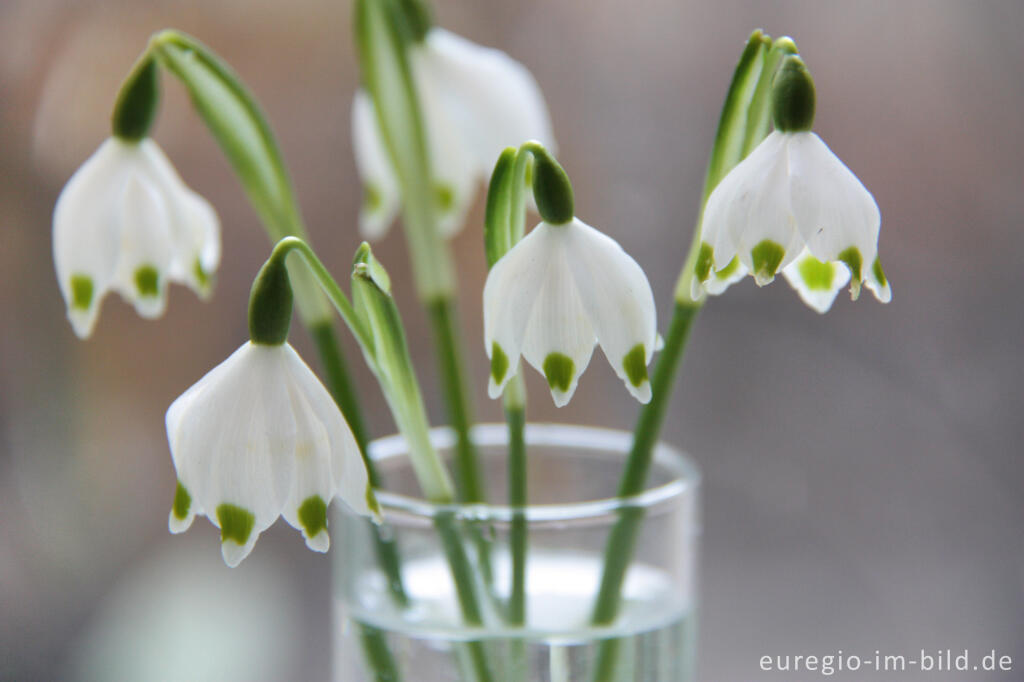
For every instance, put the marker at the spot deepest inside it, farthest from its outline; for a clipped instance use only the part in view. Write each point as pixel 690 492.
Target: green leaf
pixel 497 215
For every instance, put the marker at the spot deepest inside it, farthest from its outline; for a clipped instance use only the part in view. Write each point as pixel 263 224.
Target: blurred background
pixel 863 470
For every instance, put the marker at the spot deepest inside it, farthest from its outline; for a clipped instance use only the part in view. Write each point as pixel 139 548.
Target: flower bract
pixel 126 222
pixel 260 437
pixel 792 206
pixel 475 102
pixel 555 294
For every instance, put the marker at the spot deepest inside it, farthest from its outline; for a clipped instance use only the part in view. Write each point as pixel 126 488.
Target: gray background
pixel 863 469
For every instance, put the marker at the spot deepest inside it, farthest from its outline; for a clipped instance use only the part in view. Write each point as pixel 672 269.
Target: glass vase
pixel 411 623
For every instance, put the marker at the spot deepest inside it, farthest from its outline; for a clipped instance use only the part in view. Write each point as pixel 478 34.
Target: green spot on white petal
pixel 147 280
pixel 444 194
pixel 705 258
pixel 817 276
pixel 499 363
pixel 81 291
pixel 766 256
pixel 876 269
pixel 635 365
pixel 729 269
pixel 371 500
pixel 853 260
pixel 235 523
pixel 372 200
pixel 313 515
pixel 559 370
pixel 182 502
pixel 200 273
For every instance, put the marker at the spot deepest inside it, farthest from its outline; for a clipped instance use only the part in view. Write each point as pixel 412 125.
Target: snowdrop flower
pixel 125 221
pixel 475 102
pixel 560 290
pixel 260 437
pixel 793 206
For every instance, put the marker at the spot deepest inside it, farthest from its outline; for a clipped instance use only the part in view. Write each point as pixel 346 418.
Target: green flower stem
pixel 467 474
pixel 383 665
pixel 515 416
pixel 619 548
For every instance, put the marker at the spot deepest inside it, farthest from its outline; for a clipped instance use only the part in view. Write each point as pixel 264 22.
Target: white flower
pixel 126 221
pixel 792 205
pixel 260 437
pixel 555 294
pixel 475 102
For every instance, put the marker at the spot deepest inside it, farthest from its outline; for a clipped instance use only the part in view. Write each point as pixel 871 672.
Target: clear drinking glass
pixel 573 473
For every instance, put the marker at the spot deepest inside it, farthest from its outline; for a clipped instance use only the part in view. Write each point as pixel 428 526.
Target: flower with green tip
pixel 792 206
pixel 126 222
pixel 260 437
pixel 475 102
pixel 559 291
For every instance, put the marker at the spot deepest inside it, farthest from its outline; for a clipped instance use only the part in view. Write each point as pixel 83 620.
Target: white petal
pixel 729 212
pixel 720 280
pixel 833 209
pixel 618 300
pixel 558 325
pixel 455 175
pixel 233 553
pixel 381 196
pixel 232 436
pixel 197 249
pixel 176 525
pixel 496 99
pixel 876 280
pixel 510 294
pixel 816 282
pixel 145 249
pixel 86 235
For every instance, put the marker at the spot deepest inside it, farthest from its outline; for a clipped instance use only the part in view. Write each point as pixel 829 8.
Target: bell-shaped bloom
pixel 260 437
pixel 793 206
pixel 475 102
pixel 555 294
pixel 126 222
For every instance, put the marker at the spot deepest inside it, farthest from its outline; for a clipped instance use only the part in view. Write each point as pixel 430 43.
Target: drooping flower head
pixel 126 222
pixel 475 101
pixel 560 290
pixel 793 206
pixel 260 437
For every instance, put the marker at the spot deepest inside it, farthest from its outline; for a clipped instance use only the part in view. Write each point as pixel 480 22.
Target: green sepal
pixel 270 303
pixel 137 102
pixel 793 96
pixel 552 189
pixel 497 215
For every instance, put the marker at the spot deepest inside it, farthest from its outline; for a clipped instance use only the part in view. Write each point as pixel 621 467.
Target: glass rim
pixel 685 481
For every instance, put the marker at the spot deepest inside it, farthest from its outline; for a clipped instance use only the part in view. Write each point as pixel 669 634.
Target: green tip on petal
pixel 767 256
pixel 793 96
pixel 313 515
pixel 817 276
pixel 559 370
pixel 200 273
pixel 705 259
pixel 853 260
pixel 876 269
pixel 147 281
pixel 372 200
pixel 81 291
pixel 235 523
pixel 635 364
pixel 182 502
pixel 729 269
pixel 444 195
pixel 371 501
pixel 499 363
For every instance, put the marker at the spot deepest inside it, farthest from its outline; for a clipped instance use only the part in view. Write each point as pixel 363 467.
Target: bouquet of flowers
pixel 262 436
